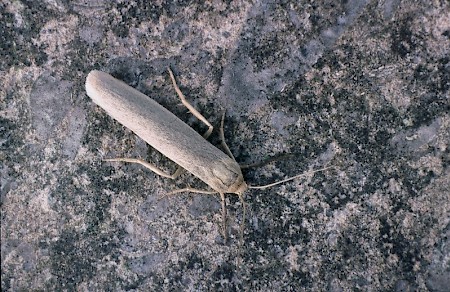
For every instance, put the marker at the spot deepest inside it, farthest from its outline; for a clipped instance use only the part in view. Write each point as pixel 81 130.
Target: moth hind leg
pixel 222 138
pixel 191 109
pixel 223 203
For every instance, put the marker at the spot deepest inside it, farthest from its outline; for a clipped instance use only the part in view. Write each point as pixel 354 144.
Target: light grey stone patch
pixel 91 34
pixel 76 121
pixel 280 121
pixel 414 140
pixel 50 102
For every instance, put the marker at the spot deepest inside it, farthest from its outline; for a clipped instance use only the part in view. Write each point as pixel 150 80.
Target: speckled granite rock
pixel 362 85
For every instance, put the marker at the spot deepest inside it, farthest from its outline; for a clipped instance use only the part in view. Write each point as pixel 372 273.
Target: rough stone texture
pixel 361 85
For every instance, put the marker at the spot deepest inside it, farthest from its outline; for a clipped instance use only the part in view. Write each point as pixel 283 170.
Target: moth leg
pixel 191 190
pixel 222 138
pixel 187 189
pixel 224 216
pixel 241 237
pixel 149 166
pixel 190 107
pixel 198 191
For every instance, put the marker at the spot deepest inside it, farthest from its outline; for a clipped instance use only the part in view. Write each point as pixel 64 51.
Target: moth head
pixel 239 188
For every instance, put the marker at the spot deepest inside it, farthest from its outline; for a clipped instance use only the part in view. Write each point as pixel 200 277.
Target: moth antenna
pixel 288 179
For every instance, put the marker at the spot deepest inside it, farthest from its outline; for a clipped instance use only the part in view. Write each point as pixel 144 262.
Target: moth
pixel 172 137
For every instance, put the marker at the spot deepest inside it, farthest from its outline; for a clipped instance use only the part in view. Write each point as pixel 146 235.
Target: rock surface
pixel 360 85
